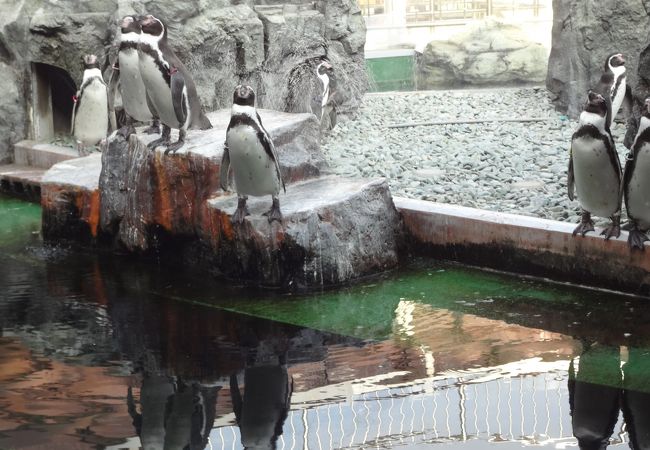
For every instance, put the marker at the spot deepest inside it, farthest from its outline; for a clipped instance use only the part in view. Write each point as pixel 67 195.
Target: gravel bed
pixel 500 166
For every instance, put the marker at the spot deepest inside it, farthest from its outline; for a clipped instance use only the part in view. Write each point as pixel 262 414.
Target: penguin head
pixel 153 27
pixel 244 95
pixel 130 24
pixel 90 62
pixel 324 68
pixel 615 60
pixel 596 104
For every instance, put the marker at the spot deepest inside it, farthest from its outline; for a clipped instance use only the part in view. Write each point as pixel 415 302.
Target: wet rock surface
pixel 142 201
pixel 333 230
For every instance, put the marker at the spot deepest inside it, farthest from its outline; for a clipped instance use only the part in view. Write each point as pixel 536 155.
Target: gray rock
pixel 490 53
pixel 584 33
pixel 12 112
pixel 334 230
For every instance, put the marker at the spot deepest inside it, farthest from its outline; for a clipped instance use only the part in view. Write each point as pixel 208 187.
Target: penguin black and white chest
pixel 251 155
pixel 594 168
pixel 90 117
pixel 169 85
pixel 324 73
pixel 636 182
pixel 134 94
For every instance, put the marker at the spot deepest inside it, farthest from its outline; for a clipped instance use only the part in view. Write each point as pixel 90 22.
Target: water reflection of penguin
pixel 636 397
pixel 265 405
pixel 174 414
pixel 594 395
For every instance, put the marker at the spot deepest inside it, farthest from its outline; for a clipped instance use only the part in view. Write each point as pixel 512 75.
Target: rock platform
pixel 134 199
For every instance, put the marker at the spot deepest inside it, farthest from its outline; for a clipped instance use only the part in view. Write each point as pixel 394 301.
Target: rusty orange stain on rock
pixel 162 203
pixel 93 212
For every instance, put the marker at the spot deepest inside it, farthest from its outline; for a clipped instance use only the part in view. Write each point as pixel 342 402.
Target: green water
pixel 78 311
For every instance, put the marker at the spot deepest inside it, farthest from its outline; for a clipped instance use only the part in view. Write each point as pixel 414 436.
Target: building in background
pixel 396 29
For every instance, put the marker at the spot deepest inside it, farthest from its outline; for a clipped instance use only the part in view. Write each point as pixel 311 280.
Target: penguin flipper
pixel 112 88
pixel 267 142
pixel 627 175
pixel 179 94
pixel 225 168
pixel 570 178
pixel 76 99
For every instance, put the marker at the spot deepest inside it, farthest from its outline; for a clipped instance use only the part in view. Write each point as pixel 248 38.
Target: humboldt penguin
pixel 90 110
pixel 594 168
pixel 636 182
pixel 613 85
pixel 325 73
pixel 250 151
pixel 126 74
pixel 169 85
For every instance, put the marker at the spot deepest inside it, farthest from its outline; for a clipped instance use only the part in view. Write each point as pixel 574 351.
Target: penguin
pixel 126 74
pixel 325 73
pixel 90 110
pixel 594 168
pixel 636 182
pixel 613 84
pixel 169 85
pixel 250 150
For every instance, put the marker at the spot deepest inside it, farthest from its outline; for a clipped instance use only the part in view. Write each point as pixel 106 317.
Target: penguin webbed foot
pixel 584 227
pixel 160 141
pixel 274 213
pixel 174 147
pixel 154 128
pixel 636 238
pixel 126 131
pixel 241 212
pixel 614 230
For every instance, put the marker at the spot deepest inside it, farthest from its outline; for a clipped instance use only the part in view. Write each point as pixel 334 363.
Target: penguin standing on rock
pixel 126 73
pixel 636 182
pixel 250 151
pixel 169 85
pixel 594 168
pixel 90 111
pixel 325 73
pixel 613 85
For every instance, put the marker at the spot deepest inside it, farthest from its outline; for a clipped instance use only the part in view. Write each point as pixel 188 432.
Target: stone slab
pixel 41 155
pixel 333 230
pixel 525 245
pixel 21 181
pixel 142 189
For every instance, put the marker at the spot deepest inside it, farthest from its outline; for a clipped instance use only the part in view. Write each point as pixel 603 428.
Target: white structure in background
pixel 400 26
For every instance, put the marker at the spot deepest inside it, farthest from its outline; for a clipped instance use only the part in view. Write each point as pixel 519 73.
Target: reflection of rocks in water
pixel 174 413
pixel 600 389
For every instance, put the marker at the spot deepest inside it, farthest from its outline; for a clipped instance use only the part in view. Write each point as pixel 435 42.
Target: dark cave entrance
pixel 53 91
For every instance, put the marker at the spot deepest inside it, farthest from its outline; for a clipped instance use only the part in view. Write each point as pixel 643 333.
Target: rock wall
pixel 223 43
pixel 584 33
pixel 489 53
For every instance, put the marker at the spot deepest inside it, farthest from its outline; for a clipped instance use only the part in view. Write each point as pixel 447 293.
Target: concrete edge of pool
pixel 523 245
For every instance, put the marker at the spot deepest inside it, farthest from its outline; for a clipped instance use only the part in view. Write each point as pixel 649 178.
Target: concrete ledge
pixel 525 245
pixel 42 155
pixel 21 181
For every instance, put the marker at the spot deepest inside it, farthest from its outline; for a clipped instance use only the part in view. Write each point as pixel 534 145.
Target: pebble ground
pixel 517 167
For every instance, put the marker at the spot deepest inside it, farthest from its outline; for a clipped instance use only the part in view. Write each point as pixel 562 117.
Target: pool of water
pixel 101 351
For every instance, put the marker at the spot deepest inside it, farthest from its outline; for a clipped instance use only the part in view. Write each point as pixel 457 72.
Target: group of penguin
pixel 156 87
pixel 594 167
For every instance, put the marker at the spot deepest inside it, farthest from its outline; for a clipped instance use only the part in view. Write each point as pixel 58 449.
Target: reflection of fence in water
pixel 527 409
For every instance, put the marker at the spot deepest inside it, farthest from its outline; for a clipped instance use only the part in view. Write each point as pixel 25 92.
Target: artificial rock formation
pixel 143 201
pixel 584 33
pixel 223 43
pixel 490 53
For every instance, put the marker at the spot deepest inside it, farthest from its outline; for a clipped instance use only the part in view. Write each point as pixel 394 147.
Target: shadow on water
pixel 99 351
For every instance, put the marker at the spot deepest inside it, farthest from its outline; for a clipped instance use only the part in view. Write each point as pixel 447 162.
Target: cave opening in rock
pixel 53 101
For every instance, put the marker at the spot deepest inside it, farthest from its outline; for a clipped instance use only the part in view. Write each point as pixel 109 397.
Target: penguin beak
pixel 128 20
